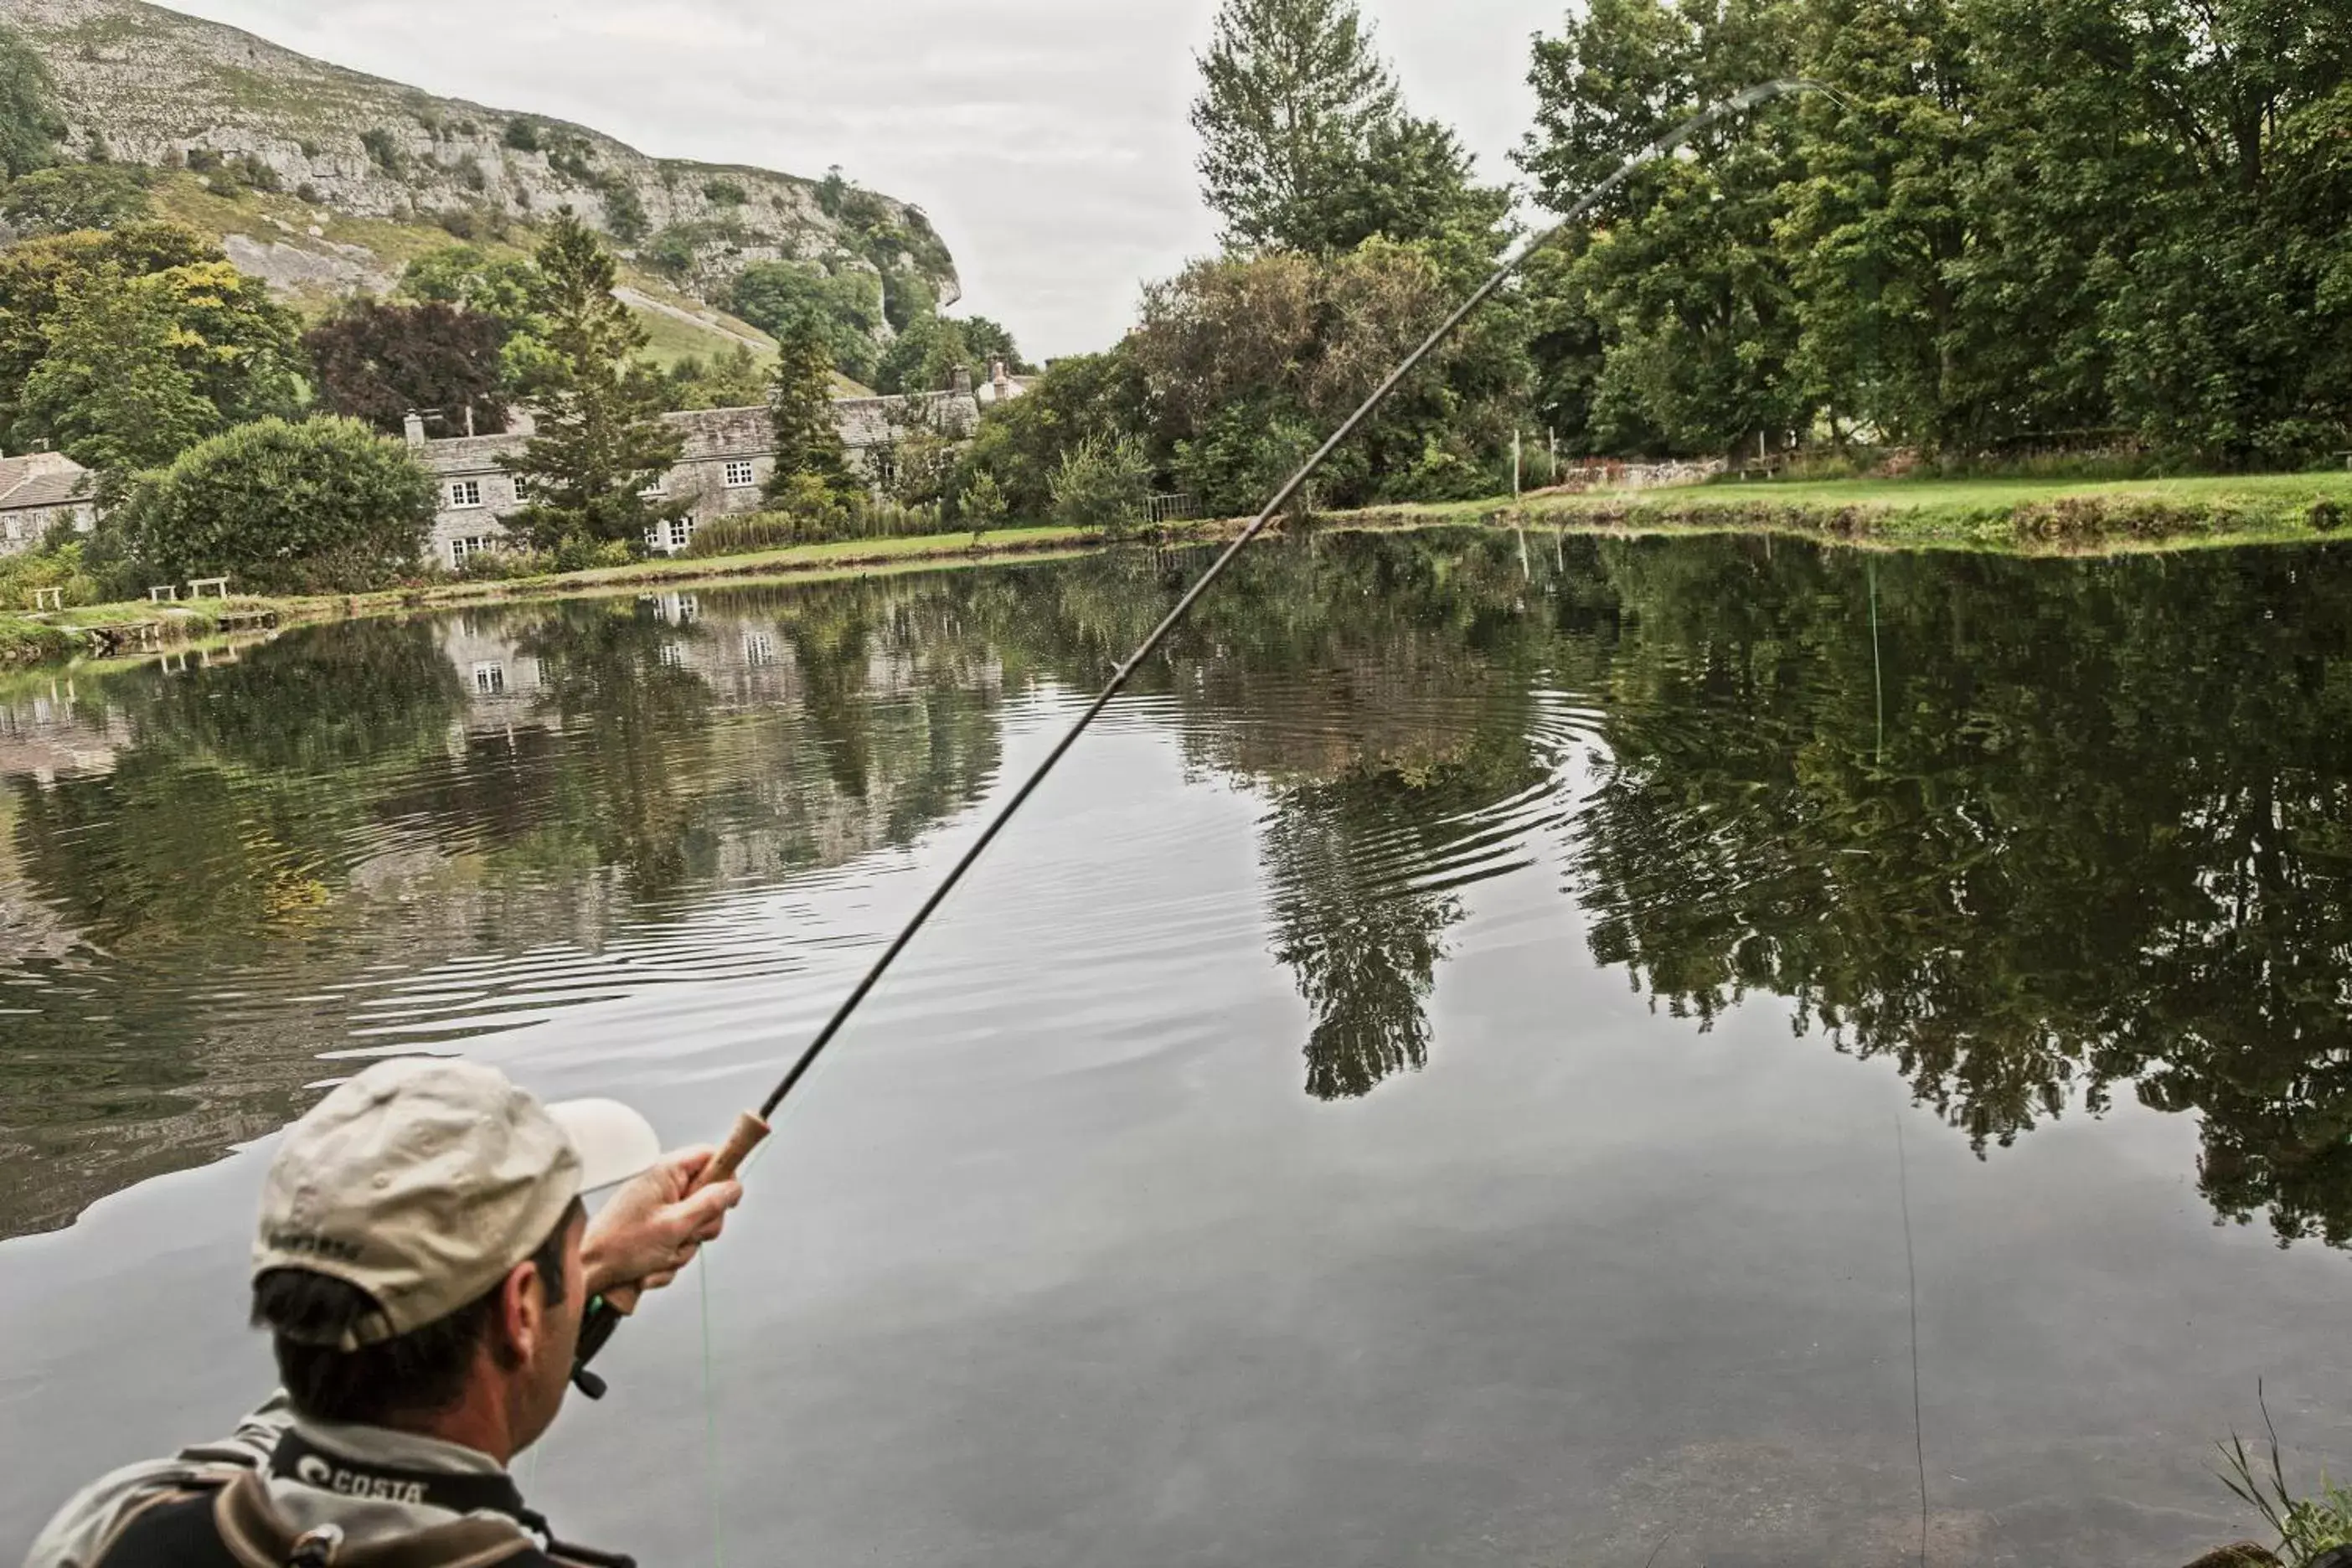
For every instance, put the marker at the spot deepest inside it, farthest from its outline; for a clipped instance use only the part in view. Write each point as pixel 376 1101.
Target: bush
pixel 523 136
pixel 581 555
pixel 725 194
pixel 56 567
pixel 325 504
pixel 2325 516
pixel 384 149
pixel 625 214
pixel 472 175
pixel 981 506
pixel 1104 486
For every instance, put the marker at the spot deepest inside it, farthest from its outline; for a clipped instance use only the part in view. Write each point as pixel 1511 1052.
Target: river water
pixel 1500 1051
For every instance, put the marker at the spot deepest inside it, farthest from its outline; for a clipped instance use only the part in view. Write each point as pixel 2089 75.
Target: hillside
pixel 366 161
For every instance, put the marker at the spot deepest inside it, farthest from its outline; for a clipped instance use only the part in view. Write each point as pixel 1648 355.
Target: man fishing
pixel 423 1263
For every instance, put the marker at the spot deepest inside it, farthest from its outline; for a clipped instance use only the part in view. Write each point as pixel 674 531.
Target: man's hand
pixel 651 1228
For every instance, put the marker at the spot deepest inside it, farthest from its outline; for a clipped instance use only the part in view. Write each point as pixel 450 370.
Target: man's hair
pixel 416 1373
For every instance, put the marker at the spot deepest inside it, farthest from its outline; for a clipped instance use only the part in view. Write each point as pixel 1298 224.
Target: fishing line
pixel 750 1129
pixel 1911 1267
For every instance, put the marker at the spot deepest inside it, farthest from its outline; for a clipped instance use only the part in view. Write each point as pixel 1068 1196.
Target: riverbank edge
pixel 2002 517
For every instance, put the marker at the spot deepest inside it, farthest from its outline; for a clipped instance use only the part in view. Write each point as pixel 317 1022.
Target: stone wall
pixel 729 455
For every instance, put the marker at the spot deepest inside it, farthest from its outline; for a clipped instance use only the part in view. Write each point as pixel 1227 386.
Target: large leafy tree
pixel 601 439
pixel 1292 92
pixel 78 196
pixel 37 275
pixel 846 304
pixel 322 504
pixel 112 391
pixel 375 361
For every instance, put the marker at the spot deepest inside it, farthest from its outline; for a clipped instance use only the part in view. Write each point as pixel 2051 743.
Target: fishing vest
pixel 225 1519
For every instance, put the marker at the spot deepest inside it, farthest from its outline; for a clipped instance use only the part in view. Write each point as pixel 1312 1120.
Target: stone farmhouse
pixel 40 490
pixel 729 455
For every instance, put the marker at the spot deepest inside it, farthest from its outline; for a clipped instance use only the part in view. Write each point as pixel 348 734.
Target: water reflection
pixel 2036 834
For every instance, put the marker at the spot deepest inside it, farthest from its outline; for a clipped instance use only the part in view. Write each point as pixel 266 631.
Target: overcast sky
pixel 1048 138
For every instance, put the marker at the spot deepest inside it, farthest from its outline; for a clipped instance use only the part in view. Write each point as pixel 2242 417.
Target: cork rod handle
pixel 749 1133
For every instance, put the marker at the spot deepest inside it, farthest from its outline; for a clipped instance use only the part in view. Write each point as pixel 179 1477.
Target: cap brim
pixel 614 1142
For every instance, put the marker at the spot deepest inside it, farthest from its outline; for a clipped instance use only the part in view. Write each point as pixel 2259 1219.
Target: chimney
pixel 469 421
pixel 961 383
pixel 1003 382
pixel 414 428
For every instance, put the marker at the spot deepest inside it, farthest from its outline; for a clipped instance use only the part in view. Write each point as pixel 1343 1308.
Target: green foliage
pixel 375 361
pixel 1104 487
pixel 74 196
pixel 624 212
pixel 2308 1528
pixel 36 275
pixel 988 342
pixel 1249 361
pixel 1021 445
pixel 734 379
pixel 924 357
pixel 324 504
pixel 724 192
pixel 846 306
pixel 600 440
pixel 980 504
pixel 503 288
pixel 30 125
pixel 2016 222
pixel 799 400
pixel 384 149
pixel 524 134
pixel 111 391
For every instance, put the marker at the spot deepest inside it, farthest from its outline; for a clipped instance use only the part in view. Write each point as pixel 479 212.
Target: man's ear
pixel 521 1321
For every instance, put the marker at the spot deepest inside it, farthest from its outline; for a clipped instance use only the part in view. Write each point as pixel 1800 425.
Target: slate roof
pixel 41 480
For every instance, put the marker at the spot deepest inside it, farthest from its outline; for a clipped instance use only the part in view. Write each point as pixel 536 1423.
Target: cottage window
pixel 465 494
pixel 681 532
pixel 759 648
pixel 741 474
pixel 522 487
pixel 655 490
pixel 491 679
pixel 462 550
pixel 15 529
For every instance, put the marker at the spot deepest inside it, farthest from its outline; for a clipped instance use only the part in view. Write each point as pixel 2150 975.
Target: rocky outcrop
pixel 141 84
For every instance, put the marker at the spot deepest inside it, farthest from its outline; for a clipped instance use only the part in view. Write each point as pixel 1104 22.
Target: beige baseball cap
pixel 423 1181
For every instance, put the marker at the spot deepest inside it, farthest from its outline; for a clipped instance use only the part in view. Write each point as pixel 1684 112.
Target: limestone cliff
pixel 142 84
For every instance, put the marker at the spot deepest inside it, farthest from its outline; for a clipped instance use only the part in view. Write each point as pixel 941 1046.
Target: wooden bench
pixel 163 594
pixel 219 587
pixel 48 599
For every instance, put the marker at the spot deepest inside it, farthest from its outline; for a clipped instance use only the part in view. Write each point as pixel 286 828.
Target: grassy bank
pixel 2024 516
pixel 2018 516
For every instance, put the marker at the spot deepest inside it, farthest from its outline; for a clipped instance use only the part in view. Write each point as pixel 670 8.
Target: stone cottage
pixel 40 490
pixel 730 455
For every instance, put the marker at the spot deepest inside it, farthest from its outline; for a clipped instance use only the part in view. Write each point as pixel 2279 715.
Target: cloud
pixel 1048 138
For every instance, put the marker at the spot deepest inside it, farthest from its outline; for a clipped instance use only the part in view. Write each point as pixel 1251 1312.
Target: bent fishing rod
pixel 752 1128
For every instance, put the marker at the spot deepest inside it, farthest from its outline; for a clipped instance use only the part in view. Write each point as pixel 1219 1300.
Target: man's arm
pixel 652 1228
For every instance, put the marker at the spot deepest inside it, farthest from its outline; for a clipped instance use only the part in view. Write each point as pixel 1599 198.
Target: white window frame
pixel 655 490
pixel 743 474
pixel 681 532
pixel 489 681
pixel 465 495
pixel 464 550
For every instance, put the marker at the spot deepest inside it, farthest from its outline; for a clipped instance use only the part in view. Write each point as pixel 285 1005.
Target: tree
pixel 990 344
pixel 506 290
pixel 601 439
pixel 799 400
pixel 979 505
pixel 30 126
pixel 846 304
pixel 324 504
pixel 375 363
pixel 1020 444
pixel 1292 91
pixel 37 275
pixel 78 196
pixel 735 379
pixel 112 391
pixel 1103 487
pixel 925 357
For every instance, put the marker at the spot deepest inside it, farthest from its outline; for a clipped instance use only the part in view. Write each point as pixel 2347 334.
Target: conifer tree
pixel 601 439
pixel 808 441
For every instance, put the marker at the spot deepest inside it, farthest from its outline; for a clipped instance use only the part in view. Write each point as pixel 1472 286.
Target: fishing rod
pixel 752 1128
